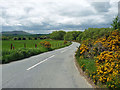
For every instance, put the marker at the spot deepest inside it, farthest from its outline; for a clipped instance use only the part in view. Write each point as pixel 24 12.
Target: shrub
pixel 65 42
pixel 106 52
pixel 46 44
pixel 90 48
pixel 108 69
pixel 93 33
pixel 17 54
pixel 23 38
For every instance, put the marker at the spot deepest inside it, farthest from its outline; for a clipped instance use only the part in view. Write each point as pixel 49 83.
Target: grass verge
pixel 87 65
pixel 88 69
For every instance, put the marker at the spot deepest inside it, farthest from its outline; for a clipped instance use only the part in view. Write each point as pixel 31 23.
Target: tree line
pixel 90 33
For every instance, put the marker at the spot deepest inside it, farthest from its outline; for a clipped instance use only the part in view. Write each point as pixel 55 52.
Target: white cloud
pixel 57 14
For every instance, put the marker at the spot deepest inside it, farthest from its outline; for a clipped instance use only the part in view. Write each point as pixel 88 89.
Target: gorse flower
pixel 45 44
pixel 106 51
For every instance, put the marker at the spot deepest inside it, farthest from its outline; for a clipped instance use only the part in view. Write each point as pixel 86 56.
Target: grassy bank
pixel 88 66
pixel 26 48
pixel 100 59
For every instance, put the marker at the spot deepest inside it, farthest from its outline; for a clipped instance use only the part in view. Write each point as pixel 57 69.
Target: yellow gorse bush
pixel 108 68
pixel 108 63
pixel 106 51
pixel 83 48
pixel 45 44
pixel 112 43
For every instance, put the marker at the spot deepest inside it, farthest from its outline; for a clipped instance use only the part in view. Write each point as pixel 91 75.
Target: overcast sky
pixel 45 16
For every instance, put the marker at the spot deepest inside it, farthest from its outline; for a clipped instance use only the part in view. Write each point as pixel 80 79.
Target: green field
pixel 6 44
pixel 21 52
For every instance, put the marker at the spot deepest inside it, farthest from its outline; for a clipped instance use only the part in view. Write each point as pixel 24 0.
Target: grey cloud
pixel 101 6
pixel 76 13
pixel 58 16
pixel 47 26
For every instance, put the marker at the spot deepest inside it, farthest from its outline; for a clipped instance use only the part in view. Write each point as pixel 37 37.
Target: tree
pixel 57 35
pixel 19 38
pixel 24 38
pixel 30 38
pixel 72 35
pixel 119 23
pixel 35 38
pixel 68 36
pixel 116 23
pixel 15 38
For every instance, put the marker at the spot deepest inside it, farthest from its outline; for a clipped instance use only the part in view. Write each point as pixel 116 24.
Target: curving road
pixel 54 69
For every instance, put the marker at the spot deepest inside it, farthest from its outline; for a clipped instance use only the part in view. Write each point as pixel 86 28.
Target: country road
pixel 54 69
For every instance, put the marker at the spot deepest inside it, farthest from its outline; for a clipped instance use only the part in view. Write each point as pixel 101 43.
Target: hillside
pixel 15 33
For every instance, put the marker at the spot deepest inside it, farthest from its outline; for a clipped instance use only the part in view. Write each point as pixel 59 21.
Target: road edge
pixel 84 75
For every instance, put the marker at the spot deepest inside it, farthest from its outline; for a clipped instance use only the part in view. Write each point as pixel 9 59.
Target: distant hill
pixel 15 33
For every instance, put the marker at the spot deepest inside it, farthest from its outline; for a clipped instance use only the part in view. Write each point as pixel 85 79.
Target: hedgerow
pixel 18 54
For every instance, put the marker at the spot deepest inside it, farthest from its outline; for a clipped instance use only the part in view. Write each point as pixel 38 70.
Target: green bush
pixel 12 55
pixel 93 33
pixel 72 35
pixel 57 35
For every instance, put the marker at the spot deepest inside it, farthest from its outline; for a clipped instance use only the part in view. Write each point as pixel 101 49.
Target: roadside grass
pixel 20 52
pixel 87 65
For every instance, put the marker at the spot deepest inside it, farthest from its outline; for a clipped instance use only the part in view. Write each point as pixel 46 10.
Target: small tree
pixel 30 38
pixel 35 38
pixel 24 38
pixel 19 38
pixel 65 42
pixel 15 38
pixel 116 23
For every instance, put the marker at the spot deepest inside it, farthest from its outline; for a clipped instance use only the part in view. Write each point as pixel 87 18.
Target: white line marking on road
pixel 40 62
pixel 63 51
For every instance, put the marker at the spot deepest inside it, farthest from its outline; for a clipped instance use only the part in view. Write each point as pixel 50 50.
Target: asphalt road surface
pixel 54 69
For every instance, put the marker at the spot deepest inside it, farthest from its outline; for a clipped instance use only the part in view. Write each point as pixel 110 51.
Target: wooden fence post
pixel 13 47
pixel 35 45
